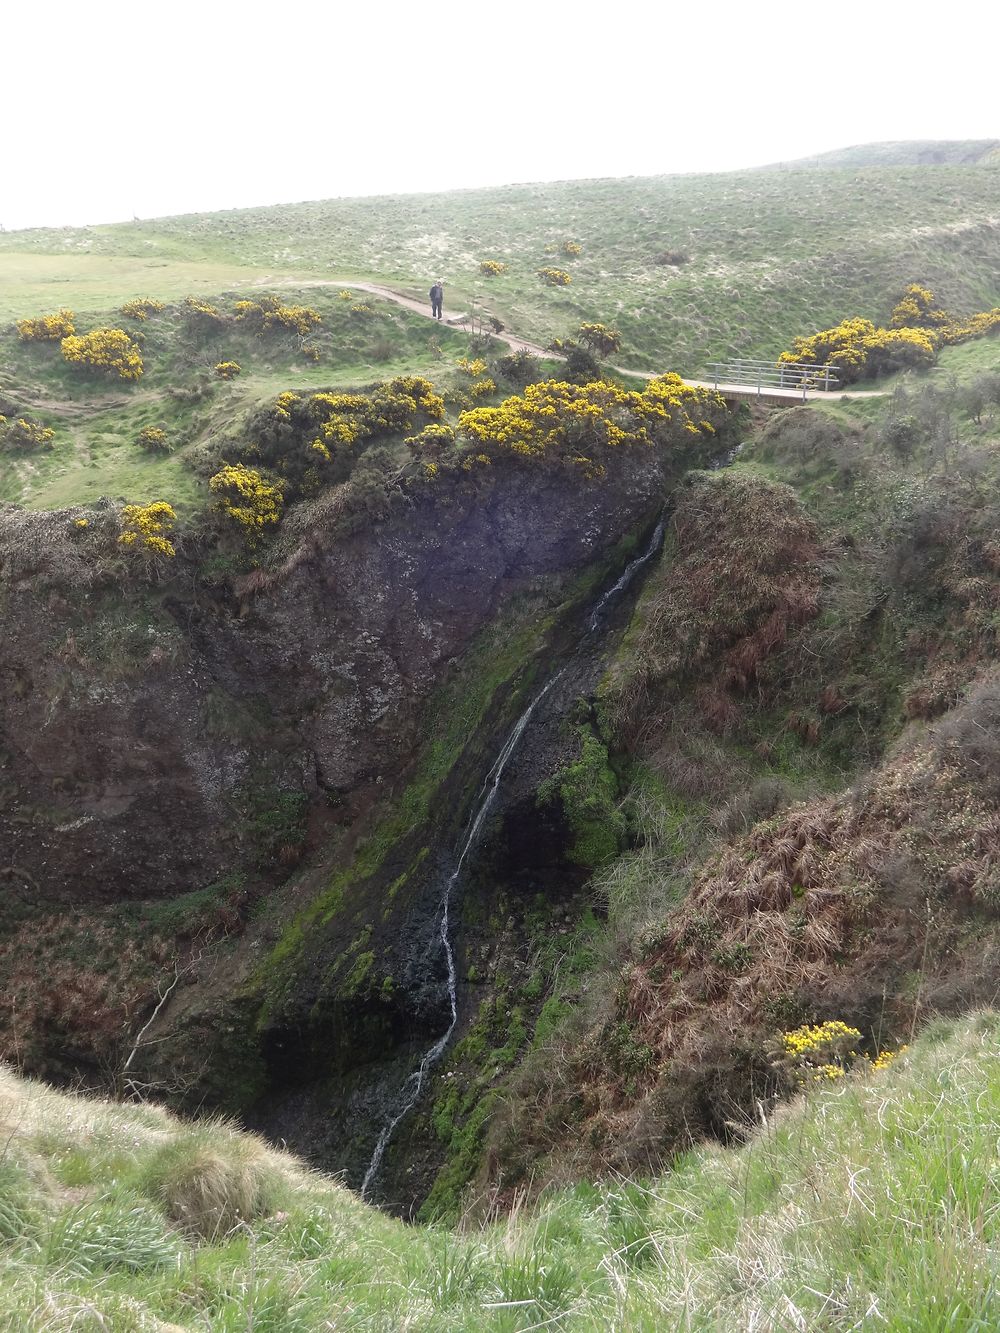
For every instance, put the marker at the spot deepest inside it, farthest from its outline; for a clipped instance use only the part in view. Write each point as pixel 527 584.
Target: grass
pixel 771 254
pixel 95 452
pixel 872 1202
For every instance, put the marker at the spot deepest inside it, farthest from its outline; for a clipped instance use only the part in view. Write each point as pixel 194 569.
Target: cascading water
pixel 413 1086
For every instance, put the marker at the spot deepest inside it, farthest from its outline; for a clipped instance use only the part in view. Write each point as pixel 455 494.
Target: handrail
pixel 746 373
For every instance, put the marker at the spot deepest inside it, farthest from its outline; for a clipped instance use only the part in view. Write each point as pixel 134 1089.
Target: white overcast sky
pixel 151 108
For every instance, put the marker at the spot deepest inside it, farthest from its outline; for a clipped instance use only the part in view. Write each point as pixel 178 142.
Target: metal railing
pixel 763 375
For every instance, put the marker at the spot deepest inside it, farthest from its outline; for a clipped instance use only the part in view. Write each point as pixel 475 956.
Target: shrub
pixel 483 388
pixel 571 249
pixel 247 499
pixel 268 315
pixel 345 295
pixel 969 739
pixel 148 528
pixel 471 368
pixel 673 258
pixel 228 370
pixel 567 425
pixel 976 326
pixel 492 268
pixel 519 367
pixel 141 308
pixel 857 348
pixel 917 309
pixel 47 328
pixel 554 277
pixel 153 438
pixel 818 1053
pixel 203 317
pixel 903 433
pixel 435 439
pixel 109 351
pixel 23 433
pixel 310 351
pixel 600 339
pixel 299 436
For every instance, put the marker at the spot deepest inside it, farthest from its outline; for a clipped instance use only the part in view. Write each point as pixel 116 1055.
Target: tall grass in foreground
pixel 871 1204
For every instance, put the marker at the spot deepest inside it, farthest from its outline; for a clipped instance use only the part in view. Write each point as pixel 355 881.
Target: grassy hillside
pixel 904 153
pixel 690 267
pixel 95 452
pixel 871 1201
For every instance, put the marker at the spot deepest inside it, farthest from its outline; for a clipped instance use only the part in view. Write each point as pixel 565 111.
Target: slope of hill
pixel 903 153
pixel 690 268
pixel 872 1201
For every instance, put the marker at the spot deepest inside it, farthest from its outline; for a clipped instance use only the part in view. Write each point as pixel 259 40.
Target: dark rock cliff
pixel 141 726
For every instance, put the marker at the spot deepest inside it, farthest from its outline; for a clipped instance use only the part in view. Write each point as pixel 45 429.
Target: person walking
pixel 437 299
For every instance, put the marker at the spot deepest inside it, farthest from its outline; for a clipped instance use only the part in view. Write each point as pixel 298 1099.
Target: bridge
pixel 766 381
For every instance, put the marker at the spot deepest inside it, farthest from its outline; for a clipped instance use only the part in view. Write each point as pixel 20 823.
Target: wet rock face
pixel 145 735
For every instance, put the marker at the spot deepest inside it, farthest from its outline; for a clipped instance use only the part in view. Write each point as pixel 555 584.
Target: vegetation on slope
pixel 691 268
pixel 798 633
pixel 871 1200
pixel 904 153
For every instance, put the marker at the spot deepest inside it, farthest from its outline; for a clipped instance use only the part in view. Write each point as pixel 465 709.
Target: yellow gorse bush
pixel 247 499
pixel 437 438
pixel 228 370
pixel 23 433
pixel 917 308
pixel 600 338
pixel 560 423
pixel 110 351
pixel 204 317
pixel 571 248
pixel 819 1039
pixel 819 1052
pixel 148 528
pixel 554 277
pixel 885 1058
pixel 483 388
pixel 857 348
pixel 471 368
pixel 141 308
pixel 492 268
pixel 919 327
pixel 269 315
pixel 47 328
pixel 153 437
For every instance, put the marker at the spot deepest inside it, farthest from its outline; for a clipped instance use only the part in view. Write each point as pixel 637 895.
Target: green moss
pixel 588 792
pixel 443 1203
pixel 355 979
pixel 553 1012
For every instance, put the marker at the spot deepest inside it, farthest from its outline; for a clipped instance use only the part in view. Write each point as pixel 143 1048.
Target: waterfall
pixel 413 1086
